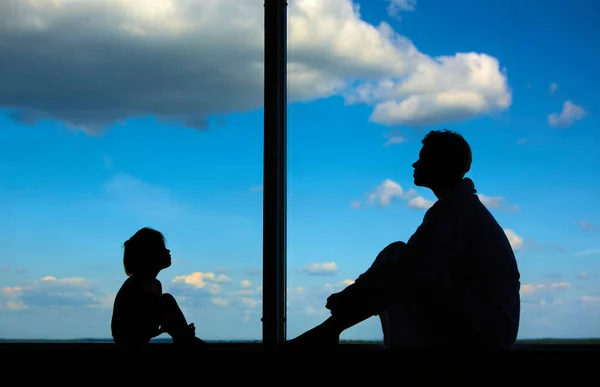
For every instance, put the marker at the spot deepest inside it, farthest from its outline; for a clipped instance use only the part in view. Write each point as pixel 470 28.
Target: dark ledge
pixel 257 347
pixel 348 364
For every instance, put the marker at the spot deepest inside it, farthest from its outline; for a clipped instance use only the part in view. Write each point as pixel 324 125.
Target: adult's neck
pixel 445 189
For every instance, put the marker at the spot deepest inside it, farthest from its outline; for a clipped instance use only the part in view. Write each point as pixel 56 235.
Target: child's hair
pixel 139 248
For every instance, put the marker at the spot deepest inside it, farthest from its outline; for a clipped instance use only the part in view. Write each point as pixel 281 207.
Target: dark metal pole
pixel 274 186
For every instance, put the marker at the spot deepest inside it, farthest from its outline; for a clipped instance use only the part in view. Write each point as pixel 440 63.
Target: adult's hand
pixel 319 337
pixel 333 302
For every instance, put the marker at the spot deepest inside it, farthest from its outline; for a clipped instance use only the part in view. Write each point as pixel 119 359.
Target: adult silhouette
pixel 454 284
pixel 141 310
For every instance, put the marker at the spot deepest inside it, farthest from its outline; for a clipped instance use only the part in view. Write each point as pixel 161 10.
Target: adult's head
pixel 443 161
pixel 146 252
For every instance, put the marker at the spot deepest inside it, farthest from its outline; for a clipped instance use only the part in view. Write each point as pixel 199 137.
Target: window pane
pixel 118 115
pixel 367 81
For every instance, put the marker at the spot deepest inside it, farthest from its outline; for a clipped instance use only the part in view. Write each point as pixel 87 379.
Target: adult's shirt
pixel 455 283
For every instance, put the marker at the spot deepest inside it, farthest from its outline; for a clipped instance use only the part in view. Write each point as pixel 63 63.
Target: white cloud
pixel 496 203
pixel 52 292
pixel 355 204
pixel 245 283
pixel 421 203
pixel 385 193
pixel 389 191
pixel 553 87
pixel 533 288
pixel 185 61
pixel 247 301
pixel 331 288
pixel 15 305
pixel 206 290
pixel 206 281
pixel 222 302
pixel 541 294
pixel 587 252
pixel 583 275
pixel 394 137
pixel 311 310
pixel 296 297
pixel 295 289
pixel 222 278
pixel 328 268
pixel 442 89
pixel 244 292
pixel 397 6
pixel 591 299
pixel 76 281
pixel 516 242
pixel 570 114
pixel 492 202
pixel 12 291
pixel 586 225
pixel 411 193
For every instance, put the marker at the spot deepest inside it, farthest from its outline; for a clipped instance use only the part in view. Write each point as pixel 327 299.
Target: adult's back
pixel 462 280
pixel 492 283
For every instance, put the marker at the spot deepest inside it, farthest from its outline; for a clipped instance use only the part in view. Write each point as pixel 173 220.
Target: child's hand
pixel 192 329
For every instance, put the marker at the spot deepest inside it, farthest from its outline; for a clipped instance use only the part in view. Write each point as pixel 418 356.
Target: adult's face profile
pixel 427 168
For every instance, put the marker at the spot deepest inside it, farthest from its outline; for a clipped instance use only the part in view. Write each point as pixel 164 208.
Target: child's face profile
pixel 163 256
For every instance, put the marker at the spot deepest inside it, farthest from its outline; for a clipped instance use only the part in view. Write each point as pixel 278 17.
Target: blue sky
pixel 159 123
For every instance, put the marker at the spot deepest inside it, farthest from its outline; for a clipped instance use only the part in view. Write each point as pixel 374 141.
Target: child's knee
pixel 167 297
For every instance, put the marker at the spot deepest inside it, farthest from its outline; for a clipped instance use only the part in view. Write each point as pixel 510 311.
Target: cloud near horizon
pixel 328 268
pixel 240 300
pixel 52 292
pixel 389 191
pixel 136 58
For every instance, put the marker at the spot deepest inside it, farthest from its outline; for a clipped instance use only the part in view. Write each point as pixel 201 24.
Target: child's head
pixel 146 252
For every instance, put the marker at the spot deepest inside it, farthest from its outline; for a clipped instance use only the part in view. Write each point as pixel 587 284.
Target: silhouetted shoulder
pixel 137 311
pixel 484 225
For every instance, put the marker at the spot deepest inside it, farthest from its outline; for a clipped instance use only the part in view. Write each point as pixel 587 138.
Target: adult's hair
pixel 451 150
pixel 139 250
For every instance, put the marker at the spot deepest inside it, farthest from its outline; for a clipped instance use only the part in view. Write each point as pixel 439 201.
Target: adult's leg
pixel 346 311
pixel 373 290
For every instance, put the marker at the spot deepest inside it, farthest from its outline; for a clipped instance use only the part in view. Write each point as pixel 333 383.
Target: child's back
pixel 137 312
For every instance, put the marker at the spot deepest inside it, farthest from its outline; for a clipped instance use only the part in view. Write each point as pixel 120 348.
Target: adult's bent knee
pixel 396 245
pixel 393 248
